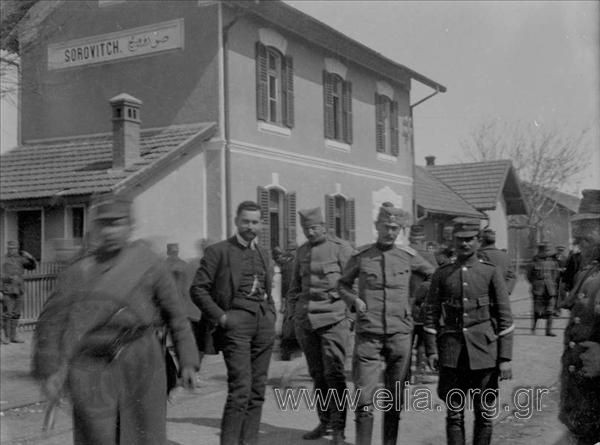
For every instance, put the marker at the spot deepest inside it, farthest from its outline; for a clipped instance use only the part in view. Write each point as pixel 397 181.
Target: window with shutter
pixel 290 223
pixel 288 92
pixel 387 127
pixel 263 198
pixel 347 113
pixel 337 105
pixel 328 105
pixel 395 133
pixel 351 220
pixel 330 214
pixel 261 82
pixel 379 124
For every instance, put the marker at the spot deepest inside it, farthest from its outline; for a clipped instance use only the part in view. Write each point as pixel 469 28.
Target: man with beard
pixel 580 375
pixel 319 315
pixel 232 288
pixel 96 337
pixel 468 320
pixel 384 324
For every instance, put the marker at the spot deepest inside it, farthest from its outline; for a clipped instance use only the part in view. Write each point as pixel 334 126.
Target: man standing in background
pixel 489 252
pixel 543 275
pixel 14 265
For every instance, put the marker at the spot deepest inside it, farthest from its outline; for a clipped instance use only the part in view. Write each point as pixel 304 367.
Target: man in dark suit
pixel 468 319
pixel 232 288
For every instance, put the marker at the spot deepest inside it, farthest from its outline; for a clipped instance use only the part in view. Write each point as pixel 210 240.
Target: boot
pixel 320 431
pixel 364 430
pixel 13 332
pixel 549 332
pixel 455 429
pixel 482 434
pixel 534 322
pixel 5 338
pixel 337 437
pixel 391 421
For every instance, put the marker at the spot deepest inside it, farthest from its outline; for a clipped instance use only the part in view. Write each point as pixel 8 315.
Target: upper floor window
pixel 386 117
pixel 340 217
pixel 338 107
pixel 274 86
pixel 278 210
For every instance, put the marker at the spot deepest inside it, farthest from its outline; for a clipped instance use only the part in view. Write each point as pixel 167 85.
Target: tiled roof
pixel 482 184
pixel 569 202
pixel 82 165
pixel 436 197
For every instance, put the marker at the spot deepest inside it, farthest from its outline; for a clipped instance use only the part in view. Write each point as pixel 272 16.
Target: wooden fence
pixel 39 284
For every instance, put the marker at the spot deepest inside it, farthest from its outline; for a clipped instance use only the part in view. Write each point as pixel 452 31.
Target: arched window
pixel 274 86
pixel 338 107
pixel 387 135
pixel 278 210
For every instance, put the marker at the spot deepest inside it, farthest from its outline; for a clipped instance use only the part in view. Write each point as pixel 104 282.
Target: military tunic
pixel 543 274
pixel 580 395
pixel 13 283
pixel 468 319
pixel 320 318
pixel 385 328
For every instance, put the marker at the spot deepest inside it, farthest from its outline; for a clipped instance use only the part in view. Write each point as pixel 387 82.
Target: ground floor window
pixel 29 226
pixel 278 209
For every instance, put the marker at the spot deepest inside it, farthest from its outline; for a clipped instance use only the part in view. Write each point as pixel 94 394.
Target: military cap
pixel 12 244
pixel 311 217
pixel 465 227
pixel 172 248
pixel 589 206
pixel 393 215
pixel 417 231
pixel 112 208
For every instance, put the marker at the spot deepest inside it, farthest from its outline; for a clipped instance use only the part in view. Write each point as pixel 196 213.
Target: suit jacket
pixel 214 287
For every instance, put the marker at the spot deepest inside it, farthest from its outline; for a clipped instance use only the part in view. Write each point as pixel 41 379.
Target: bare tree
pixel 544 157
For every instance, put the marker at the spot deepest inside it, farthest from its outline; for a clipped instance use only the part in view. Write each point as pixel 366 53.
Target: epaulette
pixel 446 265
pixel 482 261
pixel 335 239
pixel 361 249
pixel 408 250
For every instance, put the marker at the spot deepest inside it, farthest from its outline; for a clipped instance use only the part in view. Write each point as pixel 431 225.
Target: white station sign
pixel 119 45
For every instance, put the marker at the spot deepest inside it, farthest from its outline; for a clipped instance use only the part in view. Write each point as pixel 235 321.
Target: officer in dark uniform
pixel 14 265
pixel 468 320
pixel 497 257
pixel 543 275
pixel 580 375
pixel 383 319
pixel 322 326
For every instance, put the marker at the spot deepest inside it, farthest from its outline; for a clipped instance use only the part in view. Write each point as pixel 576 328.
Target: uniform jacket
pixel 384 285
pixel 101 306
pixel 501 260
pixel 13 268
pixel 214 286
pixel 543 274
pixel 467 306
pixel 580 396
pixel 313 295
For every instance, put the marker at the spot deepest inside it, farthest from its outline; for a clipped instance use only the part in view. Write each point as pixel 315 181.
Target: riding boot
pixel 391 421
pixel 364 429
pixel 482 434
pixel 533 323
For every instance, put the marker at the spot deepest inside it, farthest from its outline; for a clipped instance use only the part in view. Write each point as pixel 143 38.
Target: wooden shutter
pixel 262 91
pixel 288 91
pixel 379 124
pixel 395 136
pixel 347 111
pixel 328 105
pixel 263 200
pixel 290 219
pixel 351 220
pixel 330 214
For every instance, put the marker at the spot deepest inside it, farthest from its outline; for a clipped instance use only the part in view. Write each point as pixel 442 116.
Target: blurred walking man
pixel 97 340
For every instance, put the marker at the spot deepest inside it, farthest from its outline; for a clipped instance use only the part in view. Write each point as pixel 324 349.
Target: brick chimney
pixel 126 130
pixel 429 160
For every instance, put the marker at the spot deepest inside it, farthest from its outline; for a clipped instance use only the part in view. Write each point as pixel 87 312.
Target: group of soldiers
pixel 96 339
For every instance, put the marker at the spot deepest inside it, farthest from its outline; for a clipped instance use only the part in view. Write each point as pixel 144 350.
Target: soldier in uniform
pixel 418 291
pixel 383 319
pixel 561 258
pixel 497 257
pixel 468 320
pixel 14 265
pixel 321 322
pixel 543 275
pixel 97 337
pixel 580 375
